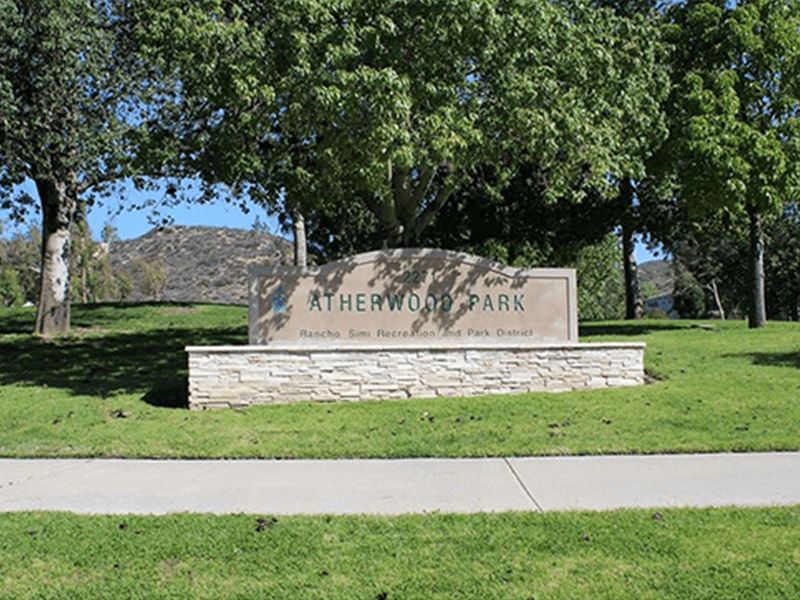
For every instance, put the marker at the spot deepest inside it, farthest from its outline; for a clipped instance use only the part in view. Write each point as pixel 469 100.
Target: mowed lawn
pixel 116 387
pixel 684 554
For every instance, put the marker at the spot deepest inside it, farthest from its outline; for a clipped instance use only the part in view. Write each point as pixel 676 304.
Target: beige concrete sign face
pixel 411 296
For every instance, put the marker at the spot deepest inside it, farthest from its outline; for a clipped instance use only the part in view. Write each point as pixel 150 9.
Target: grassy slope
pixel 684 554
pixel 111 388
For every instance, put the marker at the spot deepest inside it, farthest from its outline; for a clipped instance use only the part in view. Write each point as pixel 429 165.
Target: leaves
pixel 62 112
pixel 734 103
pixel 393 103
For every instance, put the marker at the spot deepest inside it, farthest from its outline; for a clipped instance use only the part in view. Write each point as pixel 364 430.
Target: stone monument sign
pixel 411 296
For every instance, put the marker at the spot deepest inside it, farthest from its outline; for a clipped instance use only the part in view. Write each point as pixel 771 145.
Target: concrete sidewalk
pixel 96 486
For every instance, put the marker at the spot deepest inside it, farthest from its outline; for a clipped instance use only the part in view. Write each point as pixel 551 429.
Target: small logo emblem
pixel 278 301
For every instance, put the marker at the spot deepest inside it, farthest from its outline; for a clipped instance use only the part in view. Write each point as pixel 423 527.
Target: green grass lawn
pixel 671 554
pixel 116 387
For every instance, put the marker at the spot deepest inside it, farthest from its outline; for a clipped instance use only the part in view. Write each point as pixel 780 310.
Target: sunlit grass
pixel 677 553
pixel 115 387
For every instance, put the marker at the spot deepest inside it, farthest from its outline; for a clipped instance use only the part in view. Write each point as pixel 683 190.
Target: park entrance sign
pixel 411 296
pixel 407 324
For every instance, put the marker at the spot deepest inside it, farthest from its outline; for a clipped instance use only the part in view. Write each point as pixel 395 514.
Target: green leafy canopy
pixel 734 106
pixel 63 111
pixel 393 103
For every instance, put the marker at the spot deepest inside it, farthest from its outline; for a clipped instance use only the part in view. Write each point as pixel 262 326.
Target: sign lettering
pixel 411 296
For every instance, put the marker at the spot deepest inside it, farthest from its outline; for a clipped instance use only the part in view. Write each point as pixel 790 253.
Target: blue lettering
pixel 447 302
pixel 413 298
pixel 430 302
pixel 502 302
pixel 395 302
pixel 314 303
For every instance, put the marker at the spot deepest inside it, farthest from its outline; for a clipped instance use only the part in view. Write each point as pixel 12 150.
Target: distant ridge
pixel 209 264
pixel 660 273
pixel 198 264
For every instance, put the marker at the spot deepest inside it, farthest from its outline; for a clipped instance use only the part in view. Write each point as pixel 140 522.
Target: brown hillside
pixel 196 264
pixel 660 272
pixel 209 264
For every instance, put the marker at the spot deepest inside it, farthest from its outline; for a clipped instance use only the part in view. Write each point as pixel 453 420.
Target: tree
pixel 600 283
pixel 690 301
pixel 22 255
pixel 713 250
pixel 628 204
pixel 733 115
pixel 92 278
pixel 63 116
pixel 393 104
pixel 520 224
pixel 783 263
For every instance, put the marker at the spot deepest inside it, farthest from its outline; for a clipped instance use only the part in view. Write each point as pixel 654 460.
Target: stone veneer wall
pixel 235 376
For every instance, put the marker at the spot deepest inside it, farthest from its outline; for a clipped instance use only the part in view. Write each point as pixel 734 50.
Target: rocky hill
pixel 209 264
pixel 195 264
pixel 660 272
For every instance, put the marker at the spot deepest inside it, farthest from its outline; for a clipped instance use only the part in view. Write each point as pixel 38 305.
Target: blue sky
pixel 133 224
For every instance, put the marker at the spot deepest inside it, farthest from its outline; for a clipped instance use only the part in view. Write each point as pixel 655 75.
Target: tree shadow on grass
pixel 17 320
pixel 628 329
pixel 169 395
pixel 771 359
pixel 152 362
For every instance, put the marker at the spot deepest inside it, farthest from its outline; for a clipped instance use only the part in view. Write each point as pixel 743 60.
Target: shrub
pixel 11 291
pixel 689 298
pixel 601 289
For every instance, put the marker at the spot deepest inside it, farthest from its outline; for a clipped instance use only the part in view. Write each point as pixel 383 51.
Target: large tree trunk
pixel 53 313
pixel 300 244
pixel 757 311
pixel 401 212
pixel 634 307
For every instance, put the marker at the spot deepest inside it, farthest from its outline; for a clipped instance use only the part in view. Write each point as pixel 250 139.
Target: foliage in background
pixel 601 290
pixel 521 223
pixel 783 263
pixel 649 289
pixel 11 292
pixel 20 264
pixel 733 115
pixel 92 277
pixel 689 298
pixel 713 250
pixel 151 277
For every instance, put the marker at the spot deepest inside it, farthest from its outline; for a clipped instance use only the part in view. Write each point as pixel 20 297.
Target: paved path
pixel 399 486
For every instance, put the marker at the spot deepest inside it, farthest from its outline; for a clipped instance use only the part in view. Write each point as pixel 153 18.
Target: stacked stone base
pixel 237 376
